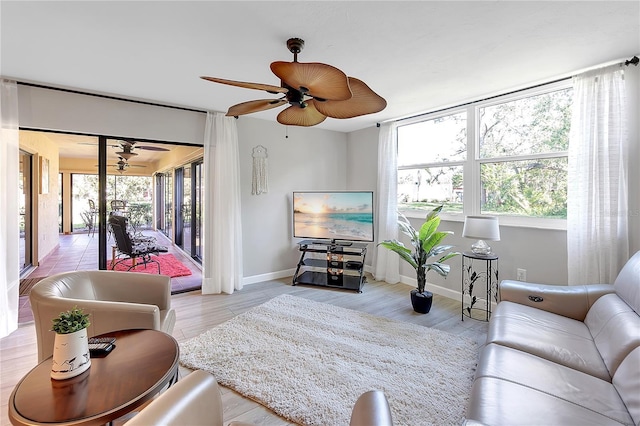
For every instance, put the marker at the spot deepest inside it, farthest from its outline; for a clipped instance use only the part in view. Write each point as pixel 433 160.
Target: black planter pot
pixel 421 302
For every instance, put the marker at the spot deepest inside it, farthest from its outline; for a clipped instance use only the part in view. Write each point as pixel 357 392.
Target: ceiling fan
pixel 127 147
pixel 122 165
pixel 314 91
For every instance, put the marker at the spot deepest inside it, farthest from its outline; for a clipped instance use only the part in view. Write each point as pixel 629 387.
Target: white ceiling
pixel 418 55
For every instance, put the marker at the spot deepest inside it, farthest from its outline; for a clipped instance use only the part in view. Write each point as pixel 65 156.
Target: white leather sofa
pixel 562 355
pixel 114 300
pixel 195 400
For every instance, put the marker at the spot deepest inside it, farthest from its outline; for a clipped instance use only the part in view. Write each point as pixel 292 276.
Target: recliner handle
pixel 536 299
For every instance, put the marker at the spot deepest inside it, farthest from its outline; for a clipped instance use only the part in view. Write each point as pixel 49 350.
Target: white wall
pixel 47 109
pixel 309 159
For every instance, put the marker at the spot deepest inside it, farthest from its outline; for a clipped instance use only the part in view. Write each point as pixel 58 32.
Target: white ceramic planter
pixel 70 355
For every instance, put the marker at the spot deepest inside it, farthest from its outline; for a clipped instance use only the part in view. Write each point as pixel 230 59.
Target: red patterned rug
pixel 169 265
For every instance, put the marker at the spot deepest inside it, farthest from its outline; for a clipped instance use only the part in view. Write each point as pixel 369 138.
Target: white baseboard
pixel 435 289
pixel 408 281
pixel 446 292
pixel 254 279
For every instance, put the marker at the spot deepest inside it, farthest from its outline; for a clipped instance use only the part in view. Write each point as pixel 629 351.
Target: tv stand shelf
pixel 331 264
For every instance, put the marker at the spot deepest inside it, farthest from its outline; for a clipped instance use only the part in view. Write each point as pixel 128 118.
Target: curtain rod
pixel 633 61
pixel 79 92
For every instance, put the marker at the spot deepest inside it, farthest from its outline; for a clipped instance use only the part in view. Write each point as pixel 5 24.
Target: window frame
pixel 463 163
pixel 473 163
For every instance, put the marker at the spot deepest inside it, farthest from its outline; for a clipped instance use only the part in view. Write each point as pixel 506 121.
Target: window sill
pixel 511 221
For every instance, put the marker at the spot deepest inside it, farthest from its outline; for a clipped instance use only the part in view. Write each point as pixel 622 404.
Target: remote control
pixel 110 340
pixel 98 349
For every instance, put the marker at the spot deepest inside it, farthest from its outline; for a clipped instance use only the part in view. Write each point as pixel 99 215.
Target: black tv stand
pixel 337 264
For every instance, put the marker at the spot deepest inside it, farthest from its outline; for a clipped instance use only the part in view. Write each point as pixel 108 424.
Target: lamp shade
pixel 481 228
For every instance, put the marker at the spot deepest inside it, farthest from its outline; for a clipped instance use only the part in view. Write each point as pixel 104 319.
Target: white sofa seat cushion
pixel 570 386
pixel 550 336
pixel 499 402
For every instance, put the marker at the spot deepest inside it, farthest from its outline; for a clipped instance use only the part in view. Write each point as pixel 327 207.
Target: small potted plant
pixel 426 244
pixel 71 344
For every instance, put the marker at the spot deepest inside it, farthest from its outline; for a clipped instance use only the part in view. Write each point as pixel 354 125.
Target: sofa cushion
pixel 550 336
pixel 498 402
pixel 615 328
pixel 569 385
pixel 627 383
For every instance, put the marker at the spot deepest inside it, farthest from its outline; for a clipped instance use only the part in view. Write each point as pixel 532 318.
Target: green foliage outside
pixel 535 125
pixel 509 184
pixel 135 190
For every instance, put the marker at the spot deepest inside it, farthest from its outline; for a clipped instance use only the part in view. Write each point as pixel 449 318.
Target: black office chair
pixel 130 248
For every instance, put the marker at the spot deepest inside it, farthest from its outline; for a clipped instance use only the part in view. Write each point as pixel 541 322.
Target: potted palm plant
pixel 426 244
pixel 71 345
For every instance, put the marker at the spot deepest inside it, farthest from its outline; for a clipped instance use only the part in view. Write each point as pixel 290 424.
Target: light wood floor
pixel 197 313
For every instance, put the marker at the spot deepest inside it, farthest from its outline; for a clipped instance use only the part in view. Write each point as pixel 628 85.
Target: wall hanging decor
pixel 44 175
pixel 259 181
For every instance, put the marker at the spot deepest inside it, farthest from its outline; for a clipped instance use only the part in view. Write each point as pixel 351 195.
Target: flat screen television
pixel 333 215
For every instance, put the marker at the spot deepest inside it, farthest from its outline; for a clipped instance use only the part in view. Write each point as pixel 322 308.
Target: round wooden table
pixel 140 366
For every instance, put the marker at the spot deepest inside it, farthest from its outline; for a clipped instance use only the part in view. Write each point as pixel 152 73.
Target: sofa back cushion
pixel 615 328
pixel 627 383
pixel 627 284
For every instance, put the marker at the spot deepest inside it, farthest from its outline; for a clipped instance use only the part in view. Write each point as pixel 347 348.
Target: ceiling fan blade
pixel 151 148
pixel 258 86
pixel 254 106
pixel 364 101
pixel 297 116
pixel 314 79
pixel 96 144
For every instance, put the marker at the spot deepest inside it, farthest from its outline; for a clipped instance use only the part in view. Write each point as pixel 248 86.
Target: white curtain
pixel 9 227
pixel 222 227
pixel 386 264
pixel 597 211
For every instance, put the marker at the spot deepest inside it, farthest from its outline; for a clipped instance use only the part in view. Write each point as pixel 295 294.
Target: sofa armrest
pixel 371 409
pixel 569 301
pixel 194 400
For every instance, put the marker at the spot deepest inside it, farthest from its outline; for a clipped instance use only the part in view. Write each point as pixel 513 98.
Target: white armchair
pixel 195 400
pixel 114 300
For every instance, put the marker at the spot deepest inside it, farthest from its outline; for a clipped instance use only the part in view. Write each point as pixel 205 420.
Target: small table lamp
pixel 481 228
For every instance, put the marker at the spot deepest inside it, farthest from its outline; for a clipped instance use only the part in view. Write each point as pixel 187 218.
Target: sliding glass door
pixel 196 218
pixel 25 195
pixel 180 203
pixel 164 203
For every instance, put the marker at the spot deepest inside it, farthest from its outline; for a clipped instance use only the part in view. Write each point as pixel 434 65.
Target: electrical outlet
pixel 521 274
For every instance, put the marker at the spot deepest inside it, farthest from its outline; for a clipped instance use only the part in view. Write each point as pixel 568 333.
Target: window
pixel 507 156
pixel 431 157
pixel 523 155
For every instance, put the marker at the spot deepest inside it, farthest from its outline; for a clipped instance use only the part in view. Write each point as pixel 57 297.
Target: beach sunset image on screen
pixel 333 215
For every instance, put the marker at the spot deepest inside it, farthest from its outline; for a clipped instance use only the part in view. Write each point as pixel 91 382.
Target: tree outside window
pixel 518 157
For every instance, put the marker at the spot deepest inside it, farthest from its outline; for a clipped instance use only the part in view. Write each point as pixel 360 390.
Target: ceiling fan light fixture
pixel 126 154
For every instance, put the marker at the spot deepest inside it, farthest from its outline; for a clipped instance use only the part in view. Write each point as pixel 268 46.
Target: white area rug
pixel 309 362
